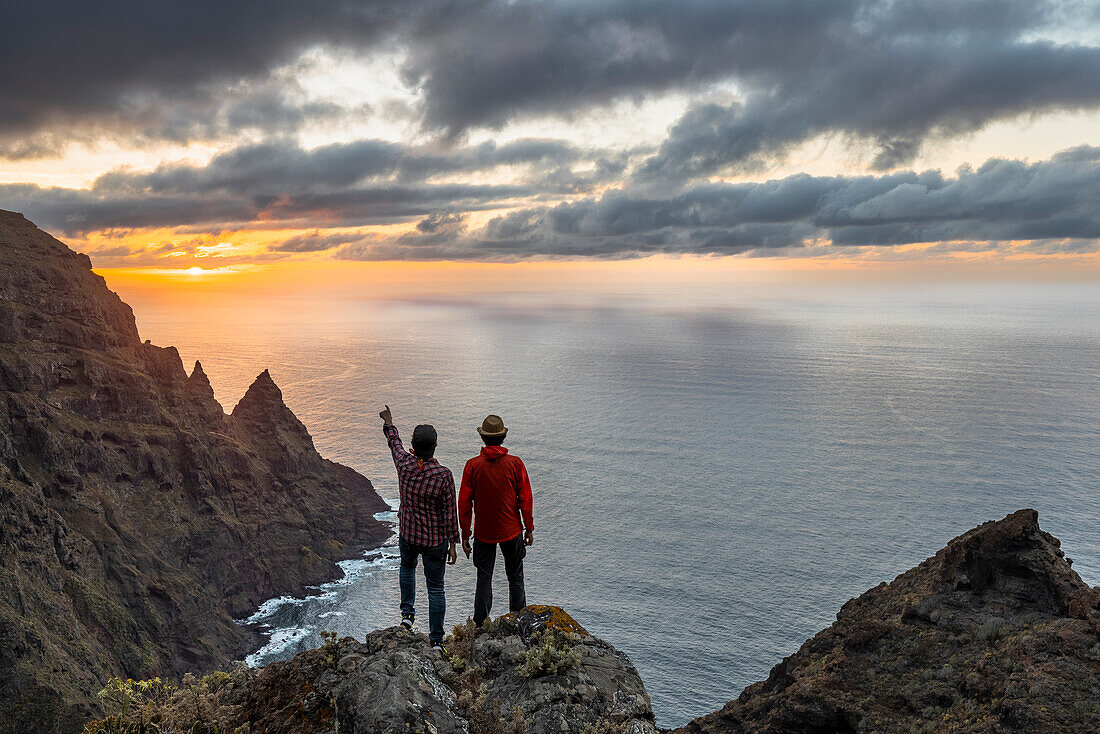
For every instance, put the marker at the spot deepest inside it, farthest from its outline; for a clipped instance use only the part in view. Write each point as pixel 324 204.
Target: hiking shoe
pixel 407 621
pixel 439 646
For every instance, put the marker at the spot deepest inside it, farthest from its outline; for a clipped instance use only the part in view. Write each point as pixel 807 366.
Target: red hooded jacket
pixel 496 493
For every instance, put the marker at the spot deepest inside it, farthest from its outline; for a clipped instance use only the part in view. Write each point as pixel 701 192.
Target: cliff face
pixel 137 519
pixel 995 633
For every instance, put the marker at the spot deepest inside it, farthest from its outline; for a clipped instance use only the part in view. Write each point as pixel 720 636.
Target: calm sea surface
pixel 713 478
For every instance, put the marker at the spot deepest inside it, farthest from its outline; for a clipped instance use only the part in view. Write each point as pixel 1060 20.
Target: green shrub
pixel 552 652
pixel 136 707
pixel 329 647
pixel 603 726
pixel 460 643
pixel 992 630
pixel 215 680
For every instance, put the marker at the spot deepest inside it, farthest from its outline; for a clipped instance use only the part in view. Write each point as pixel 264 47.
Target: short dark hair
pixel 424 440
pixel 493 440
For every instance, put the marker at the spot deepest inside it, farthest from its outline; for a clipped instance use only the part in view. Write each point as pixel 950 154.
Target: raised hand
pixel 386 416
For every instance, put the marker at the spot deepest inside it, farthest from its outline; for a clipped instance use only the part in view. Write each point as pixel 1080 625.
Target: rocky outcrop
pixel 995 633
pixel 534 672
pixel 137 519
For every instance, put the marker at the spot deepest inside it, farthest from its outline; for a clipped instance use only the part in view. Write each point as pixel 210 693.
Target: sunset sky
pixel 696 138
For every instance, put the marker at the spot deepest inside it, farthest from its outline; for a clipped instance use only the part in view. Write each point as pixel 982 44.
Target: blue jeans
pixel 435 562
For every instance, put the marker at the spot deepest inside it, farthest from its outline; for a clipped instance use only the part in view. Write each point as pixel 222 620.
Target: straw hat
pixel 493 425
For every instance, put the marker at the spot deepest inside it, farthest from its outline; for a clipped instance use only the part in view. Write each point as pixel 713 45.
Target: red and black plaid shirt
pixel 427 514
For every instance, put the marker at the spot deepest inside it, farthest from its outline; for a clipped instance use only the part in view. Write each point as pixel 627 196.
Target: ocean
pixel 714 474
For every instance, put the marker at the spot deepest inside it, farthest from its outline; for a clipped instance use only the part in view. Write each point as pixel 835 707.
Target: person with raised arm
pixel 427 525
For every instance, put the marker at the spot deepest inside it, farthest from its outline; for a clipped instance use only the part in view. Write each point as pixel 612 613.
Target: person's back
pixel 497 507
pixel 426 521
pixel 496 496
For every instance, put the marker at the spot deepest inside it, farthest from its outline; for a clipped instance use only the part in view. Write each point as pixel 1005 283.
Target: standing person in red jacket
pixel 497 493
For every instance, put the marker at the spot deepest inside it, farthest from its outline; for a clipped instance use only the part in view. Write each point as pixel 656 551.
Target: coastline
pixel 276 640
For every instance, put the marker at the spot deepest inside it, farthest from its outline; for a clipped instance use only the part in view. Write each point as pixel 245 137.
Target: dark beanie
pixel 424 439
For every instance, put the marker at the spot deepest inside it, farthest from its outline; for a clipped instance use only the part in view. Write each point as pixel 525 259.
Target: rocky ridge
pixel 994 633
pixel 137 518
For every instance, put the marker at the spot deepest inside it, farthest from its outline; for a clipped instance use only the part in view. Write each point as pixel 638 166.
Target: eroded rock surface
pixel 137 519
pixel 394 682
pixel 995 633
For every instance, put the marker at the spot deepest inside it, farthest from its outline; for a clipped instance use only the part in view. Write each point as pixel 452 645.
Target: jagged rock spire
pixel 198 383
pixel 200 395
pixel 262 399
pixel 263 411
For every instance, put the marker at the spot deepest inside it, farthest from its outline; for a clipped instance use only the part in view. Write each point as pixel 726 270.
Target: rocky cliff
pixel 995 633
pixel 137 518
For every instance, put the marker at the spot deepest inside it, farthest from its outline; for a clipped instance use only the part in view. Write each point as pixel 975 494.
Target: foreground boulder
pixel 535 671
pixel 995 633
pixel 137 518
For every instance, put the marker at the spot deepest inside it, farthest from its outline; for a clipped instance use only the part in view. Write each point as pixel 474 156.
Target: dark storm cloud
pixel 78 211
pixel 268 108
pixel 440 222
pixel 284 166
pixel 894 97
pixel 363 182
pixel 544 57
pixel 892 73
pixel 765 76
pixel 266 168
pixel 1053 204
pixel 1053 201
pixel 78 61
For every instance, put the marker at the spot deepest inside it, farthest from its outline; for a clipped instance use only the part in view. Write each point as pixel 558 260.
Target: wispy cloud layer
pixel 1050 204
pixel 1046 202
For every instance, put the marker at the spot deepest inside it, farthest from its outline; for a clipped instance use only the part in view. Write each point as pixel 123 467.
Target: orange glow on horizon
pixel 244 260
pixel 657 275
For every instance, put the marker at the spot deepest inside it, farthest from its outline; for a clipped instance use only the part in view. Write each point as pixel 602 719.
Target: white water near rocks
pixel 712 479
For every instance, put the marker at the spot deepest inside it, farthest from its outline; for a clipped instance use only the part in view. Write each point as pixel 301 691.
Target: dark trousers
pixel 435 563
pixel 485 556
